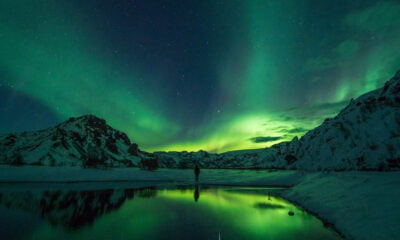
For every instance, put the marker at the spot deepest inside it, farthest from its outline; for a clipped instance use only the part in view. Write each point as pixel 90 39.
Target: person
pixel 197 172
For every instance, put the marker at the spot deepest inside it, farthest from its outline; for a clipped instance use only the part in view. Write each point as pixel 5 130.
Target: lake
pixel 153 213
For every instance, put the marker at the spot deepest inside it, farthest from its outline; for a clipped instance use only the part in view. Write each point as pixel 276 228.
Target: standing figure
pixel 197 173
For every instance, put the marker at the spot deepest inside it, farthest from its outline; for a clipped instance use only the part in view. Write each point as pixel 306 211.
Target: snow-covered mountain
pixel 365 135
pixel 234 159
pixel 84 141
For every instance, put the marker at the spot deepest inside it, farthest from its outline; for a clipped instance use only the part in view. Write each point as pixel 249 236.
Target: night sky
pixel 190 75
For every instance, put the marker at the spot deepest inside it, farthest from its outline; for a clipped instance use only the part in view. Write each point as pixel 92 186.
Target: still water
pixel 189 212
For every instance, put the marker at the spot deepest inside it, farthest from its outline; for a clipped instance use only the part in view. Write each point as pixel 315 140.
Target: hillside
pixel 85 141
pixel 365 135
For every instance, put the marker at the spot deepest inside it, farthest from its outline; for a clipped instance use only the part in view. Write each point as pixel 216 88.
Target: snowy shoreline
pixel 360 205
pixel 31 174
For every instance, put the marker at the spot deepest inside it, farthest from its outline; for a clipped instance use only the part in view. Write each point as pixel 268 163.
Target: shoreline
pixel 352 203
pixel 321 218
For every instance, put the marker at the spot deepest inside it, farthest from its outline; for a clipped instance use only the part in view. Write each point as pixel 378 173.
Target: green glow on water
pixel 174 214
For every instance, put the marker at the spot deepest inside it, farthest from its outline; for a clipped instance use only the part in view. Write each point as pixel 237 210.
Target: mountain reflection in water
pixel 179 212
pixel 72 209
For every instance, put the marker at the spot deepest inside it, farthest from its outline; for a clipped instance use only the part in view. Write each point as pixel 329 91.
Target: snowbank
pixel 361 205
pixel 24 174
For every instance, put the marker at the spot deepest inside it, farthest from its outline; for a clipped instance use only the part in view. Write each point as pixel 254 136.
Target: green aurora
pixel 224 76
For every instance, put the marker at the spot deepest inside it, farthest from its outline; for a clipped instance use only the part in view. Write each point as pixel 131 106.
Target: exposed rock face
pixel 133 149
pixel 84 141
pixel 365 135
pixel 234 159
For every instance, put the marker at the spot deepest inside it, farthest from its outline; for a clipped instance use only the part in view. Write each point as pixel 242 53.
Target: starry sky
pixel 188 75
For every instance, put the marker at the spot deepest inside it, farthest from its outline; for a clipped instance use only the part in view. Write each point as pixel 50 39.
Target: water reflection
pixel 262 205
pixel 149 192
pixel 72 209
pixel 196 192
pixel 166 213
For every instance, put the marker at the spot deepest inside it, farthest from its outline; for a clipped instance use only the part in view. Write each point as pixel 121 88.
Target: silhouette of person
pixel 197 173
pixel 196 192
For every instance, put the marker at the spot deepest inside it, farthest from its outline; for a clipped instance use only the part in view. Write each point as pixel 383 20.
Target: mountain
pixel 234 159
pixel 85 141
pixel 365 135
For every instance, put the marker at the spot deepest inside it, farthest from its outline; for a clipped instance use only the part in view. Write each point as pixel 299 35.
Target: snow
pixel 363 136
pixel 360 205
pixel 83 141
pixel 10 174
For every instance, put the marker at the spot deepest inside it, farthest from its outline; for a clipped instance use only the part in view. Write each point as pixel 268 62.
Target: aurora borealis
pixel 190 75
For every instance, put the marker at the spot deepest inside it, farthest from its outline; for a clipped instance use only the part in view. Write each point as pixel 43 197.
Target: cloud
pixel 295 130
pixel 264 139
pixel 315 112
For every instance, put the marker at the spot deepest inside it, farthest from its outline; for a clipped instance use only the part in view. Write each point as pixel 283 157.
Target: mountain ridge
pixel 82 141
pixel 356 137
pixel 365 135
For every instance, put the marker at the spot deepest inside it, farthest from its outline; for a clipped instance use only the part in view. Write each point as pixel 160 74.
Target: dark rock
pixel 10 140
pixel 149 164
pixel 393 163
pixel 110 144
pixel 290 158
pixel 123 136
pixel 133 149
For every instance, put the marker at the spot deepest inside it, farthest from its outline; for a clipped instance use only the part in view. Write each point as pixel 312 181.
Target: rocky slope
pixel 85 141
pixel 363 136
pixel 236 159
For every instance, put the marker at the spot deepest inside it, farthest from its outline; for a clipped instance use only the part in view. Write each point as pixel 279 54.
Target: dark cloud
pixel 264 139
pixel 313 112
pixel 295 130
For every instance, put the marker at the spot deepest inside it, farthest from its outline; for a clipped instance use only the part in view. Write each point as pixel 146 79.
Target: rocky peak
pixel 362 136
pixel 86 141
pixel 87 121
pixel 392 87
pixel 388 95
pixel 94 126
